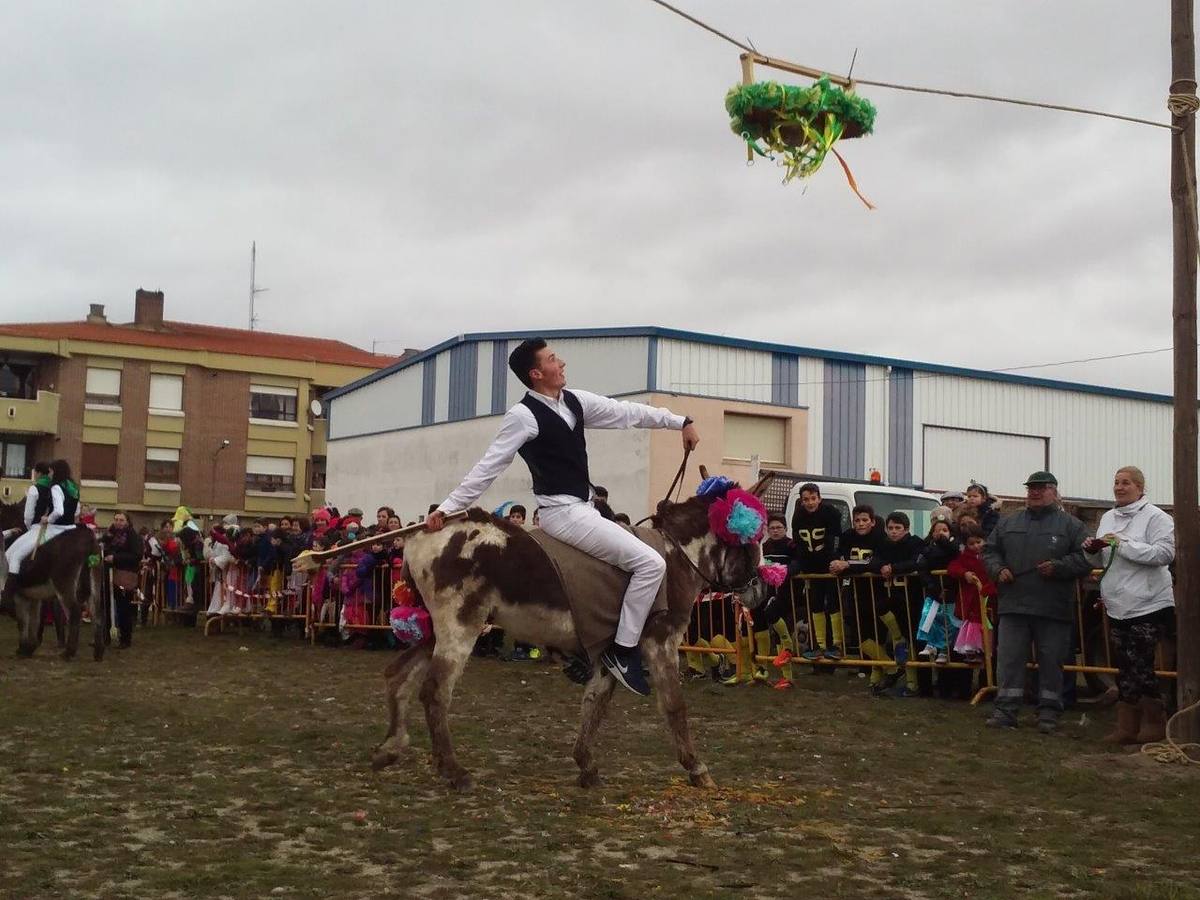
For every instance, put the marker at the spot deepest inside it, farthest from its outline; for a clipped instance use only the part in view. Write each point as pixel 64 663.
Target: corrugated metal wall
pixel 464 381
pixel 393 402
pixel 686 367
pixel 1091 435
pixel 900 442
pixel 845 410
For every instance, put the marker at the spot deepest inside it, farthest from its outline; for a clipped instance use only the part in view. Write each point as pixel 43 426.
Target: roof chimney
pixel 148 309
pixel 96 314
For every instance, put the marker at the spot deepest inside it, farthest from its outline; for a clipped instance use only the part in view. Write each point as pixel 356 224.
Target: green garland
pixel 800 125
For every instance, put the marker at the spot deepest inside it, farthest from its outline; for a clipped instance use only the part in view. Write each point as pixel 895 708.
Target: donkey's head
pixel 720 533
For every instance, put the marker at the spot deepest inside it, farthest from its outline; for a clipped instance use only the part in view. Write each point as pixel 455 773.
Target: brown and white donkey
pixel 482 569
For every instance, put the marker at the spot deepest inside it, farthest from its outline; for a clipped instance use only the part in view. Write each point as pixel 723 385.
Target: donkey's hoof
pixel 702 780
pixel 461 781
pixel 24 651
pixel 98 654
pixel 384 758
pixel 68 653
pixel 589 779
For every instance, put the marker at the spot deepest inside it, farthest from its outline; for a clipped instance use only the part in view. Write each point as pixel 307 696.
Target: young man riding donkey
pixel 477 569
pixel 51 560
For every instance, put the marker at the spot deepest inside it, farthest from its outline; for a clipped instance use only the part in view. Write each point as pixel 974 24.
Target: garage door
pixel 954 457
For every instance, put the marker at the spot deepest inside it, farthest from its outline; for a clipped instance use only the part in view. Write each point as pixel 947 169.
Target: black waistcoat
pixel 557 457
pixel 70 506
pixel 44 503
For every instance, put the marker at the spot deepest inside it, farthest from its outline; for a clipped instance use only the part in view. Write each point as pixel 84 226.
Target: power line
pixel 925 90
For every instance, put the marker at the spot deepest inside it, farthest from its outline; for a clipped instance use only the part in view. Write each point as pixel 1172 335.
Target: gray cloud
pixel 419 171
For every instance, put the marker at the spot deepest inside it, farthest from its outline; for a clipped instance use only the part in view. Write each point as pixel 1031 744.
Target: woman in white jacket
pixel 1136 542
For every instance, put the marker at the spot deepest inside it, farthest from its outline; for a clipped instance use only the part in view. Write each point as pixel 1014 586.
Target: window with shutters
pixel 272 404
pixel 162 466
pixel 99 462
pixel 103 387
pixel 166 393
pixel 270 474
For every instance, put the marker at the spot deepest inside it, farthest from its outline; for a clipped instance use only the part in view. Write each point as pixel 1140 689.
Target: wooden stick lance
pixel 310 560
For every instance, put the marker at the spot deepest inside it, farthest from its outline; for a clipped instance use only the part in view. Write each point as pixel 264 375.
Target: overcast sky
pixel 412 171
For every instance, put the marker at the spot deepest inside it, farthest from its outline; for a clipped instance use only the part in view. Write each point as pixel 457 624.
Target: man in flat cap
pixel 1035 557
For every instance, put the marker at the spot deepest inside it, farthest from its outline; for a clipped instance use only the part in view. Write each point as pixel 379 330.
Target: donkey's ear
pixel 760 486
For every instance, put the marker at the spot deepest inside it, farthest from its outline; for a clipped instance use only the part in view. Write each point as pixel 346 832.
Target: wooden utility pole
pixel 1183 222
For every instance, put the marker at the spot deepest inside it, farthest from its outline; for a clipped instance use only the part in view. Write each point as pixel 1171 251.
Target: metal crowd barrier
pixel 337 599
pixel 720 627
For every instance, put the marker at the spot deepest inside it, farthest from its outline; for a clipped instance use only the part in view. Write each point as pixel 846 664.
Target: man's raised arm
pixel 605 412
pixel 514 431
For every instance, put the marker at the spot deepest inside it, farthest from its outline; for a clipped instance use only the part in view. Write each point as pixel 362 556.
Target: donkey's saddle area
pixel 595 589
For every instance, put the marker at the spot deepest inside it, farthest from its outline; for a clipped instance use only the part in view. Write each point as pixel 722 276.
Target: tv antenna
pixel 254 288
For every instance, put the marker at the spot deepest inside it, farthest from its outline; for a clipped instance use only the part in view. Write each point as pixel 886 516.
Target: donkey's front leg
pixel 596 697
pixel 403 676
pixel 449 658
pixel 662 662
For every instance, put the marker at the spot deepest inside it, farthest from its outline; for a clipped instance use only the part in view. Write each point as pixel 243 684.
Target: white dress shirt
pixel 519 427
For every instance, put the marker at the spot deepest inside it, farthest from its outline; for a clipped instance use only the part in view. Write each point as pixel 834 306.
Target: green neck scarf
pixel 70 488
pixel 44 481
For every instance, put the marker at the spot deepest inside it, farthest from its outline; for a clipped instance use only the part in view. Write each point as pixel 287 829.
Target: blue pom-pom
pixel 744 522
pixel 714 486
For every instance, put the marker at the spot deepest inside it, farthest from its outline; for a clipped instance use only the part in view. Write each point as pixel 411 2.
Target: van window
pixel 843 510
pixel 916 508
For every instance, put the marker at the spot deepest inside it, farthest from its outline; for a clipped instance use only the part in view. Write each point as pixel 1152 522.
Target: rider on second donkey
pixel 52 500
pixel 547 429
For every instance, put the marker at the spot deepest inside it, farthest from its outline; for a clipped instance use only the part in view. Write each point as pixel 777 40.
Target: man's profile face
pixel 550 371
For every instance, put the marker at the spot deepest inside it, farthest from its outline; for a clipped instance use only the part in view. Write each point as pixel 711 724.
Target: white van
pixel 884 499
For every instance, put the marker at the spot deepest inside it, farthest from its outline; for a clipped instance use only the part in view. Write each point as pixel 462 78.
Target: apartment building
pixel 156 413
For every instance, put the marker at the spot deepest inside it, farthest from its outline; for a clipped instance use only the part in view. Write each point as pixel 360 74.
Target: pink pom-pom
pixel 738 517
pixel 773 574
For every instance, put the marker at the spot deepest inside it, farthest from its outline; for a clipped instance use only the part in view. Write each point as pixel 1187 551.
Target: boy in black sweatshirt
pixel 895 560
pixel 816 526
pixel 856 547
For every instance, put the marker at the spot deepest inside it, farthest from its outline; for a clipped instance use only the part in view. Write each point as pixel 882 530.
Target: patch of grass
pixel 189 767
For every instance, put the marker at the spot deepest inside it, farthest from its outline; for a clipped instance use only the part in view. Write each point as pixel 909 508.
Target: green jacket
pixel 1019 542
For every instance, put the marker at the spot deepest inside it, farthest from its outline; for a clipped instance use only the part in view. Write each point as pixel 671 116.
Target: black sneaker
pixel 625 665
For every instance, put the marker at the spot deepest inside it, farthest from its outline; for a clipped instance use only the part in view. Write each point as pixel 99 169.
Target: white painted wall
pixel 483 378
pixel 685 367
pixel 411 469
pixel 1091 435
pixel 953 457
pixel 391 402
pixel 811 393
pixel 441 387
pixel 876 431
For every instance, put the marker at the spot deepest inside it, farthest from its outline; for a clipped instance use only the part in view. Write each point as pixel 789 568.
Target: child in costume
pixel 191 550
pixel 816 527
pixel 974 588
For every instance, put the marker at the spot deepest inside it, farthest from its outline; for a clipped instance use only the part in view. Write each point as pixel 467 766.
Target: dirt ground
pixel 234 766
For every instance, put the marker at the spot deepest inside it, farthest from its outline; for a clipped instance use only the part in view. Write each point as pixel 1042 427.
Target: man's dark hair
pixel 623 518
pixel 900 518
pixel 516 508
pixel 41 468
pixel 600 491
pixel 60 471
pixel 524 358
pixel 777 517
pixel 863 508
pixel 809 487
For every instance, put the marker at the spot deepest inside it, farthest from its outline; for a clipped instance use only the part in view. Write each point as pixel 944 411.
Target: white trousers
pixel 582 526
pixel 23 546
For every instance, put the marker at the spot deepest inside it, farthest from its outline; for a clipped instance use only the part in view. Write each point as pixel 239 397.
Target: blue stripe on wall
pixel 499 377
pixel 652 364
pixel 464 372
pixel 900 428
pixel 845 420
pixel 785 379
pixel 428 389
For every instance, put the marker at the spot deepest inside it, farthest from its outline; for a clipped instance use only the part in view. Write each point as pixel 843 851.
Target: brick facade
pixel 216 407
pixel 131 457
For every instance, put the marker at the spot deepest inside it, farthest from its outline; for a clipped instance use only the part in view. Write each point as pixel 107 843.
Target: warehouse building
pixel 408 433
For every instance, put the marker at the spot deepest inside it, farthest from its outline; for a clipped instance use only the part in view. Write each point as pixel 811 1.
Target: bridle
pixel 715 587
